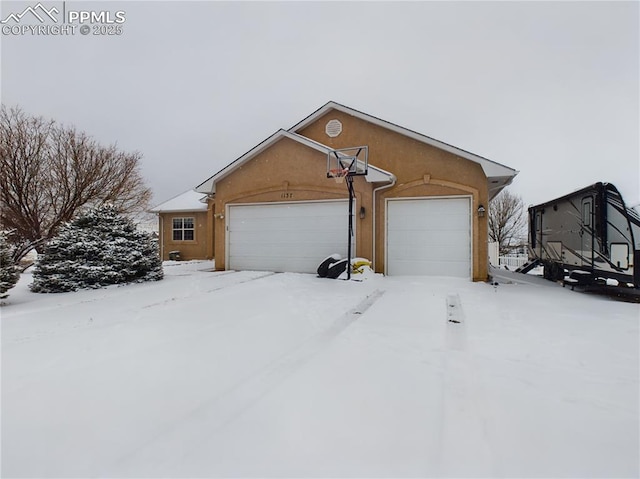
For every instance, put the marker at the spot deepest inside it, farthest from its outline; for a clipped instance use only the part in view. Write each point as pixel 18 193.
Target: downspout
pixel 384 187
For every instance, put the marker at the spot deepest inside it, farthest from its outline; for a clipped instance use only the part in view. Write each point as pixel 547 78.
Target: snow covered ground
pixel 252 374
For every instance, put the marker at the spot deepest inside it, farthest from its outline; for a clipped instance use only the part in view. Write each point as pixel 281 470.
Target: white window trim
pixel 183 229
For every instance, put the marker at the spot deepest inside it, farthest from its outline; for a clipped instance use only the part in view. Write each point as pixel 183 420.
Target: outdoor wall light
pixel 219 216
pixel 362 212
pixel 481 211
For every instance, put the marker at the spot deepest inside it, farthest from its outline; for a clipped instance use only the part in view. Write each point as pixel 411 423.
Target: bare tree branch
pixel 507 221
pixel 49 172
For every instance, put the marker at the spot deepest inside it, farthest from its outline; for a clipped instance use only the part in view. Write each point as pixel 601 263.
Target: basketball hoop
pixel 347 163
pixel 338 174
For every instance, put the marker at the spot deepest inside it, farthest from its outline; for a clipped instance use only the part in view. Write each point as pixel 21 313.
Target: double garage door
pixel 424 236
pixel 429 236
pixel 292 237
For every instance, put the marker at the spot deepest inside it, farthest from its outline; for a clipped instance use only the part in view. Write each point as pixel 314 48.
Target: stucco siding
pixel 287 172
pixel 420 169
pixel 189 249
pixel 290 166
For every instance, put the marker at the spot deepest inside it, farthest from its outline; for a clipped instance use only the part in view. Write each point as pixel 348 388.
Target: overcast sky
pixel 548 88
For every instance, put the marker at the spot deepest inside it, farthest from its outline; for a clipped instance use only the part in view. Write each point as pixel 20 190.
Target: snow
pixel 187 201
pixel 255 374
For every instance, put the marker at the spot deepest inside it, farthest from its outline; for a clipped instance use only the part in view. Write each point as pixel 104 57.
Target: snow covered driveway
pixel 286 375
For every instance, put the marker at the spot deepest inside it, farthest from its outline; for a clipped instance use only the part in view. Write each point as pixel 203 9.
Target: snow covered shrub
pixel 98 248
pixel 8 271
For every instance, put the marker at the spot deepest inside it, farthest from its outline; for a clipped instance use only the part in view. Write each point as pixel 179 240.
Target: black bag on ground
pixel 323 269
pixel 337 268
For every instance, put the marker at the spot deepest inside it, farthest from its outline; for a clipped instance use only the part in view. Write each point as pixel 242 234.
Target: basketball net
pixel 338 174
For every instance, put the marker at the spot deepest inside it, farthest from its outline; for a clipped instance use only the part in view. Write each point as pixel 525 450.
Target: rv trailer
pixel 590 233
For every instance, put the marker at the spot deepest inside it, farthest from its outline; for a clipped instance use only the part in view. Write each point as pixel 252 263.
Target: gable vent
pixel 333 128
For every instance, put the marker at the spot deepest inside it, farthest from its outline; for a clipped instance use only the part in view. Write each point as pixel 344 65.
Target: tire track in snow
pixel 218 288
pixel 184 437
pixel 118 315
pixel 92 327
pixel 115 292
pixel 463 427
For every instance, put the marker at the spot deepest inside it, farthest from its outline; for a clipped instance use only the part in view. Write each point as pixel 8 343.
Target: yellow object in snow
pixel 358 263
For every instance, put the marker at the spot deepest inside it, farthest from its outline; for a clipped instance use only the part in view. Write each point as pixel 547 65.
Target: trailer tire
pixel 557 272
pixel 546 271
pixel 553 271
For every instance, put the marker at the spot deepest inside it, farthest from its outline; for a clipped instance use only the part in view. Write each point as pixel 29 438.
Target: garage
pixel 271 208
pixel 429 236
pixel 293 237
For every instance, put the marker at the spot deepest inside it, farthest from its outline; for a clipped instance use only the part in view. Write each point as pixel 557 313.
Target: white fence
pixel 511 261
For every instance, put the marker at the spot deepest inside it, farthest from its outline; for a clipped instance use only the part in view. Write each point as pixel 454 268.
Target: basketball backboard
pixel 348 162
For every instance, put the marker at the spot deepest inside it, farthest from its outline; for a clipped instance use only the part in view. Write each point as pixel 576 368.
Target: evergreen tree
pixel 98 248
pixel 8 271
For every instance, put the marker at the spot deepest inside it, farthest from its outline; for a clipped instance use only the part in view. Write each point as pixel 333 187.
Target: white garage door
pixel 429 237
pixel 292 237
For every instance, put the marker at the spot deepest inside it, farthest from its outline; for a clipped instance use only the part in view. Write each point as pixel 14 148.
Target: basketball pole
pixel 351 195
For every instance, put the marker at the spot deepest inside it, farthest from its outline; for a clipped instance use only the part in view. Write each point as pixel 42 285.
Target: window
pixel 620 255
pixel 586 214
pixel 587 204
pixel 183 229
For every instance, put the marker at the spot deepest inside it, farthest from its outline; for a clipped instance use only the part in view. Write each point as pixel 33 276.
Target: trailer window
pixel 620 255
pixel 586 211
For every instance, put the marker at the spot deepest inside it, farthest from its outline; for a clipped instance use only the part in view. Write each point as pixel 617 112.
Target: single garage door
pixel 429 236
pixel 292 237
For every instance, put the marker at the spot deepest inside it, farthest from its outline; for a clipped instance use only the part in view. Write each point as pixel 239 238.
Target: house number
pixel 286 195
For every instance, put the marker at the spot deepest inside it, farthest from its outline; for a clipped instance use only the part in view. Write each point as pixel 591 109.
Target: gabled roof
pixel 374 175
pixel 498 175
pixel 188 201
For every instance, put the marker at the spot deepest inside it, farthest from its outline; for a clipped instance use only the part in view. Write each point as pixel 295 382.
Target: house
pixel 184 226
pixel 420 209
